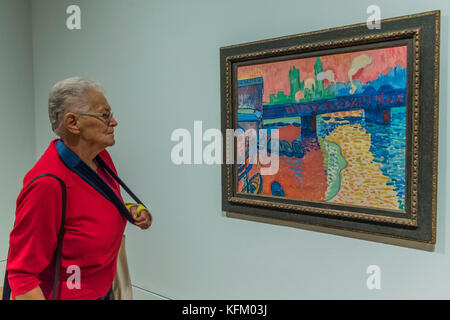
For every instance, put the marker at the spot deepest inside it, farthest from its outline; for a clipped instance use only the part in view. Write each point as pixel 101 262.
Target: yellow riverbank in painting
pixel 362 181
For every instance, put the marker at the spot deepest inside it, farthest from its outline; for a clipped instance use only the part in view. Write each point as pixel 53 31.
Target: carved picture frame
pixel 415 224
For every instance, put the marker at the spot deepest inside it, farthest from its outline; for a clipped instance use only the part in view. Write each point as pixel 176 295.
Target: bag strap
pixel 105 166
pixel 6 286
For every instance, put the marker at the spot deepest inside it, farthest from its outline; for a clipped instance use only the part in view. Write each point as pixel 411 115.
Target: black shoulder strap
pixel 6 287
pixel 108 169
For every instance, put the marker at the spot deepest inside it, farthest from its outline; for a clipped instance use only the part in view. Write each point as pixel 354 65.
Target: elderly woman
pixel 95 213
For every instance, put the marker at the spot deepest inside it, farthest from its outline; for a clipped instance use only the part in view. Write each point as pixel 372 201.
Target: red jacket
pixel 94 229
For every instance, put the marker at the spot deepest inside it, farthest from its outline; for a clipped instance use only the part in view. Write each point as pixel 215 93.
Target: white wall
pixel 17 132
pixel 159 62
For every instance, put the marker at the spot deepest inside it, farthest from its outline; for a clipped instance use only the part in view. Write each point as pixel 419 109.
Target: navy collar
pixel 75 164
pixel 69 157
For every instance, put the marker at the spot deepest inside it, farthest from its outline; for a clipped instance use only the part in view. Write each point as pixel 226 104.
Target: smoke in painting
pixel 342 127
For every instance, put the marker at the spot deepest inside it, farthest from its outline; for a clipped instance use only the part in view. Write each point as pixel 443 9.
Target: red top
pixel 94 229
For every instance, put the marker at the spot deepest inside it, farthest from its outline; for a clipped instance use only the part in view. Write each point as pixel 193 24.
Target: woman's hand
pixel 33 294
pixel 142 219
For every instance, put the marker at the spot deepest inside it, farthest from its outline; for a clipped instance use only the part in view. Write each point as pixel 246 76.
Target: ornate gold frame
pixel 414 30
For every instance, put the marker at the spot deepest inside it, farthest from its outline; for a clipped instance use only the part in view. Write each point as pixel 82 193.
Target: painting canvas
pixel 349 115
pixel 342 127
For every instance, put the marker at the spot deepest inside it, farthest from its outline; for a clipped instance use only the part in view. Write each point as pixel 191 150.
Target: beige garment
pixel 121 287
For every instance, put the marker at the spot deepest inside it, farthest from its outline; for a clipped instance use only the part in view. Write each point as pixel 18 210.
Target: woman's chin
pixel 110 141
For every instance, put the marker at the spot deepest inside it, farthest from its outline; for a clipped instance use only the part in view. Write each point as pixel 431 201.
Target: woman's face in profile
pixel 98 129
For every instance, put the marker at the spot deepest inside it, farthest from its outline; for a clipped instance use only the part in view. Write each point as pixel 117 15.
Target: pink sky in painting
pixel 276 74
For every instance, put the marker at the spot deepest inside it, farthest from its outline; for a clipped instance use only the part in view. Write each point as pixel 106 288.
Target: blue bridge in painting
pixel 254 114
pixel 376 106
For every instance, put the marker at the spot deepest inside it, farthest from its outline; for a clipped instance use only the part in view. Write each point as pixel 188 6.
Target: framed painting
pixel 335 130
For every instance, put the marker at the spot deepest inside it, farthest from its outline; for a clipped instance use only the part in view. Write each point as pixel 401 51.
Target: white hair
pixel 69 95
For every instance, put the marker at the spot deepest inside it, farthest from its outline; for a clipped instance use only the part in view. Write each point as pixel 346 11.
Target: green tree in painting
pixel 317 91
pixel 296 85
pixel 319 83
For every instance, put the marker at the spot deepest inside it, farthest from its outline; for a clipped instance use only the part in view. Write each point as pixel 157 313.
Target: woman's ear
pixel 71 123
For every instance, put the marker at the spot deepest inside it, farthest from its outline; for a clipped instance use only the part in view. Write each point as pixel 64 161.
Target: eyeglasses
pixel 105 117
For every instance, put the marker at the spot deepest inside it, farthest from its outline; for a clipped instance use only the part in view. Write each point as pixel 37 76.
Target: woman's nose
pixel 113 122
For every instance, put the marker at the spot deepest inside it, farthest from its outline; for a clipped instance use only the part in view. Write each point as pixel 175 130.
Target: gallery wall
pixel 159 63
pixel 17 132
